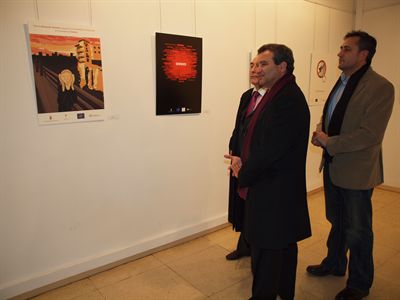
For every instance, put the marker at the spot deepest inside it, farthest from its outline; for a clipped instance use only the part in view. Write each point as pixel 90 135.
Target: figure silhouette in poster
pixel 66 92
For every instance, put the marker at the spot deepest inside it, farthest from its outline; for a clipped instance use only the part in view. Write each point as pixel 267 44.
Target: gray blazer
pixel 357 151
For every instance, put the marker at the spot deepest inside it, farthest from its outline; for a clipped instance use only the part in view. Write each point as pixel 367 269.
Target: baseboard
pixel 382 187
pixel 388 188
pixel 314 191
pixel 41 283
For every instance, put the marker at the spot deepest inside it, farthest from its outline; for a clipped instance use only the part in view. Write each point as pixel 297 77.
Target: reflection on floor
pixel 198 269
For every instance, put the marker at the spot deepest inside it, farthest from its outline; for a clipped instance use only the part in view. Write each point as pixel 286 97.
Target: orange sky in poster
pixel 64 45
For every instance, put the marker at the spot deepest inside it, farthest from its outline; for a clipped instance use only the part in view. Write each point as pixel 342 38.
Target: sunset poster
pixel 68 73
pixel 178 74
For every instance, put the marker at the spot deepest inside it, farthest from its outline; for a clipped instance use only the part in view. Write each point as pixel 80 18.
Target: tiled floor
pixel 198 269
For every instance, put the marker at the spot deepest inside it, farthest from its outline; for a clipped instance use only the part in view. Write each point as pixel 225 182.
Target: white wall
pixel 78 196
pixel 384 24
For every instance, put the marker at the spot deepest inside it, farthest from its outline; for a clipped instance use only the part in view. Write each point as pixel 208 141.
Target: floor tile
pixel 141 265
pixel 222 234
pixel 96 295
pixel 238 291
pixel 319 235
pixel 383 254
pixel 386 234
pixel 320 287
pixel 305 295
pixel 226 238
pixel 316 208
pixel 125 271
pixel 159 283
pixel 110 276
pixel 390 270
pixel 389 214
pixel 384 196
pixel 229 244
pixel 183 250
pixel 209 271
pixel 309 257
pixel 383 289
pixel 73 290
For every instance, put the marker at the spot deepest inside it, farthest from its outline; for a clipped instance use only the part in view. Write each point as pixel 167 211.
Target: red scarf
pixel 276 88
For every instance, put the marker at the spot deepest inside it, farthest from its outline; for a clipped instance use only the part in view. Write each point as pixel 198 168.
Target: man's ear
pixel 283 66
pixel 364 54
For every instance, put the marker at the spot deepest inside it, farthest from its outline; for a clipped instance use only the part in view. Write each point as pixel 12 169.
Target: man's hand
pixel 314 140
pixel 319 138
pixel 236 164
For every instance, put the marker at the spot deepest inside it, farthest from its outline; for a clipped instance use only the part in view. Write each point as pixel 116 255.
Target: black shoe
pixel 351 294
pixel 321 270
pixel 234 255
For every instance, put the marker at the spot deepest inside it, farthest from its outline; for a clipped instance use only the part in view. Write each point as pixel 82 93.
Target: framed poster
pixel 178 74
pixel 68 73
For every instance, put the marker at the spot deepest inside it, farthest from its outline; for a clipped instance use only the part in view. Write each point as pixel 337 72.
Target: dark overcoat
pixel 276 211
pixel 236 205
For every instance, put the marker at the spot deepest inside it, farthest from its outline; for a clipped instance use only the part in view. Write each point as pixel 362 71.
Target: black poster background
pixel 177 96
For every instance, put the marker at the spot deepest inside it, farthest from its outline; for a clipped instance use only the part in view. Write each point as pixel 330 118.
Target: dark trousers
pixel 350 214
pixel 243 246
pixel 274 272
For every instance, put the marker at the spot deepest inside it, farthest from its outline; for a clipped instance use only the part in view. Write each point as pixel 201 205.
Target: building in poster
pixel 68 74
pixel 178 74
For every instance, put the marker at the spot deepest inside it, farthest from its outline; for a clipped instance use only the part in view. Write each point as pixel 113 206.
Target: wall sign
pixel 323 75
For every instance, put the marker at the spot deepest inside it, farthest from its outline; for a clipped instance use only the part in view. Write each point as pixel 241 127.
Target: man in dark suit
pixel 271 175
pixel 236 204
pixel 351 131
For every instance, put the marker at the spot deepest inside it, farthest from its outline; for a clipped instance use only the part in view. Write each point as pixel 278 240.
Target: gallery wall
pixel 384 24
pixel 75 197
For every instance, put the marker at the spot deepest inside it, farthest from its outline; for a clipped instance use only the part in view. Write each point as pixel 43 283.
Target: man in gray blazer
pixel 351 131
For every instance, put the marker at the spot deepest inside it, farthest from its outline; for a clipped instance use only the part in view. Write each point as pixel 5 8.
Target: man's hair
pixel 365 42
pixel 281 53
